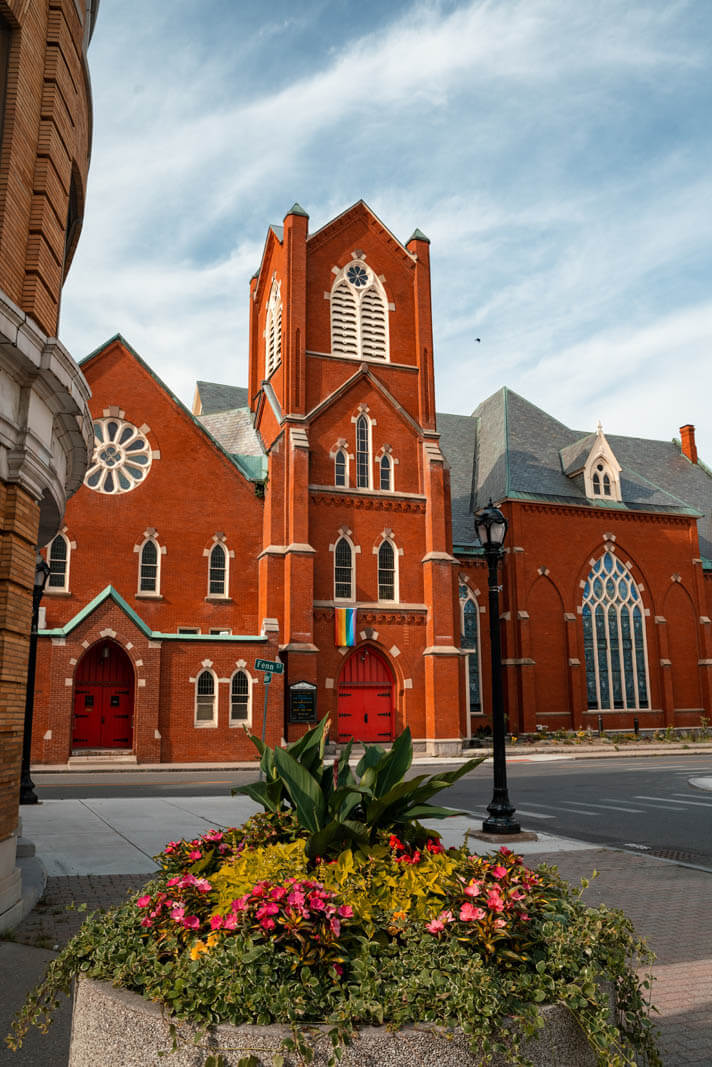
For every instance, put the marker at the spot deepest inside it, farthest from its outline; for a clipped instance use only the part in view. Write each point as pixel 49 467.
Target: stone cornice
pixel 368 500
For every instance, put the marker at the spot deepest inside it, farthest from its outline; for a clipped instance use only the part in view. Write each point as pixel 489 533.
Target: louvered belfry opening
pixel 359 326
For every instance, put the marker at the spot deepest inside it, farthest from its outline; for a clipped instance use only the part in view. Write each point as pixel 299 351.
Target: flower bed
pixel 360 920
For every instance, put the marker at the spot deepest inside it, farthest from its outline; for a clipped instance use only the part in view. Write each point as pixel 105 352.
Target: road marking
pixel 697 803
pixel 614 807
pixel 634 844
pixel 534 814
pixel 577 811
pixel 664 801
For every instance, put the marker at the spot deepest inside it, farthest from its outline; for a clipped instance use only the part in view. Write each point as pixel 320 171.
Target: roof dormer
pixel 601 471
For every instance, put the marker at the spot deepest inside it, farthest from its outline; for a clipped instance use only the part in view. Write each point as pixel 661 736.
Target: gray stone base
pixel 120 1029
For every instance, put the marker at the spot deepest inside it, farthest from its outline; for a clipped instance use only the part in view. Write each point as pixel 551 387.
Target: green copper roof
pixel 418 235
pixel 154 635
pixel 297 209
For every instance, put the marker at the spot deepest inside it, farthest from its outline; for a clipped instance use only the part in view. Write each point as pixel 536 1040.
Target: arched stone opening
pixel 103 708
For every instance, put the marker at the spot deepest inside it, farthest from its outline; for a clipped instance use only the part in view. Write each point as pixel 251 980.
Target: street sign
pixel 269 666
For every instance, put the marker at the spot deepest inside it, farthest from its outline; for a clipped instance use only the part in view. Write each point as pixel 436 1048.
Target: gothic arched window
pixel 343 570
pixel 359 314
pixel 363 453
pixel 386 472
pixel 217 576
pixel 149 567
pixel 387 584
pixel 205 707
pixel 470 641
pixel 614 638
pixel 341 468
pixel 58 559
pixel 240 698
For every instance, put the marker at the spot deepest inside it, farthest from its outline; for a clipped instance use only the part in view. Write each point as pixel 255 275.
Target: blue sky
pixel 557 154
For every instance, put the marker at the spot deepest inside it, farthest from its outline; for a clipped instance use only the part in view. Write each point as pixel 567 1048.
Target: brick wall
pixel 19 519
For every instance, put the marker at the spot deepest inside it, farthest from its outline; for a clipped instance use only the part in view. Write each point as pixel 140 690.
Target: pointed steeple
pixel 297 209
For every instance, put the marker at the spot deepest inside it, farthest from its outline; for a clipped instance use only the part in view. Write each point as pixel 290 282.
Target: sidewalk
pixel 96 851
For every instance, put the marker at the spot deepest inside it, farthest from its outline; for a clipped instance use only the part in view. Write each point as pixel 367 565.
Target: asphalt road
pixel 644 804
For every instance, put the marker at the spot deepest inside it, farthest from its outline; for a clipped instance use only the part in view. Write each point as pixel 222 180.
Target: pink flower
pixel 241 903
pixel 173 881
pixel 202 885
pixel 335 927
pixel 434 846
pixel 445 916
pixel 435 926
pixel 499 872
pixel 216 921
pixel 268 924
pixel 346 911
pixel 231 922
pixel 277 892
pixel 494 901
pixel 178 914
pixel 146 922
pixel 295 899
pixel 499 923
pixel 266 909
pixel 143 902
pixel 473 889
pixel 191 922
pixel 524 917
pixel 196 854
pixel 316 902
pixel 516 895
pixel 469 913
pixel 338 968
pixel 504 851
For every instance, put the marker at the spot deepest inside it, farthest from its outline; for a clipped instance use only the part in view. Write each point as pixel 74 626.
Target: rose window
pixel 122 457
pixel 357 276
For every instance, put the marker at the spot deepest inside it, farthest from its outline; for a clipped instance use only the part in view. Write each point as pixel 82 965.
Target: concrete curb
pixel 34 882
pixel 572 751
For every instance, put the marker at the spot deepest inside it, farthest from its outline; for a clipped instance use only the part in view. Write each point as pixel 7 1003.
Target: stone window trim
pixel 149 565
pixel 342 565
pixel 363 425
pixel 59 555
pixel 241 683
pixel 218 577
pixel 122 456
pixel 359 312
pixel 601 472
pixel 206 697
pixel 387 556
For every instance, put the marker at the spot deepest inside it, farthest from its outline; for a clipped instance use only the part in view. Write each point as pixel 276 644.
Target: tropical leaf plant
pixel 338 805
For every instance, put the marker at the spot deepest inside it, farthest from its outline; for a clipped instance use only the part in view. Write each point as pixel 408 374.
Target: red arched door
pixel 103 698
pixel 365 697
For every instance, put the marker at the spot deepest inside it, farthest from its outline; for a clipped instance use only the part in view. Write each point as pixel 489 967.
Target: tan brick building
pixel 45 427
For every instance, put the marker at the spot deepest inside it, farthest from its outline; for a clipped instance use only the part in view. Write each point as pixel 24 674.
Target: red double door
pixel 103 699
pixel 365 697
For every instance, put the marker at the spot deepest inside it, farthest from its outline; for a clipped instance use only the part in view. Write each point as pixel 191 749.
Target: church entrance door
pixel 365 697
pixel 103 699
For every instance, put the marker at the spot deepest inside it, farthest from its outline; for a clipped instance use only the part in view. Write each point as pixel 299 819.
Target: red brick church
pixel 321 518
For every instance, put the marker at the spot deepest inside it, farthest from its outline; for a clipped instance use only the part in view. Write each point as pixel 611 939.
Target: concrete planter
pixel 120 1029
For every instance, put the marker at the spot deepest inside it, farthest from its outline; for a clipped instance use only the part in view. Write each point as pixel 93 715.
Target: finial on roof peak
pixel 418 235
pixel 599 428
pixel 297 209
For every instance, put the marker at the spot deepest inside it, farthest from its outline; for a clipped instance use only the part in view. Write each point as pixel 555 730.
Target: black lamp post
pixel 27 786
pixel 491 527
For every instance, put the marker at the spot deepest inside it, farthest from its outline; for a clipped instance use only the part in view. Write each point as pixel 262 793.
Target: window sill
pixel 148 596
pixel 241 723
pixel 215 599
pixel 57 592
pixel 205 725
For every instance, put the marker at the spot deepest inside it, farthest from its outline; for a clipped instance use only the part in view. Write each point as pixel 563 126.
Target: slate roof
pixel 214 397
pixel 234 431
pixel 522 453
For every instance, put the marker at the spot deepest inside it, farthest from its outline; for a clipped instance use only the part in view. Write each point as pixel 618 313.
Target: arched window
pixel 359 314
pixel 217 576
pixel 341 468
pixel 240 699
pixel 205 709
pixel 614 638
pixel 387 572
pixel 343 570
pixel 58 559
pixel 149 568
pixel 470 641
pixel 273 331
pixel 363 453
pixel 601 481
pixel 386 472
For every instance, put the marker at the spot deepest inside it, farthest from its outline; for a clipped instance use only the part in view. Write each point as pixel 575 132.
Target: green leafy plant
pixel 337 806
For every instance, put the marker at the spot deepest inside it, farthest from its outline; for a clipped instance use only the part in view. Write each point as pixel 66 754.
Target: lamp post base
pixel 27 791
pixel 501 816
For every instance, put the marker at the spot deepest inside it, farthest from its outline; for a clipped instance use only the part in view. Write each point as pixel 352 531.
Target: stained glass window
pixel 218 571
pixel 614 638
pixel 148 568
pixel 363 458
pixel 205 698
pixel 58 560
pixel 469 639
pixel 340 468
pixel 385 469
pixel 122 457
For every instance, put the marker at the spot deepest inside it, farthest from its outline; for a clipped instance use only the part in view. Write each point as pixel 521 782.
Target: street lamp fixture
pixel 491 527
pixel 27 787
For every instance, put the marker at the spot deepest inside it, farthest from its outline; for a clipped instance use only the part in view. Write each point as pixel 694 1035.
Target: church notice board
pixel 302 702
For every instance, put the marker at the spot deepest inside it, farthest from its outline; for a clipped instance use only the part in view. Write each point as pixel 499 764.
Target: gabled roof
pixel 364 371
pixel 245 469
pixel 522 453
pixel 110 593
pixel 214 397
pixel 359 208
pixel 234 431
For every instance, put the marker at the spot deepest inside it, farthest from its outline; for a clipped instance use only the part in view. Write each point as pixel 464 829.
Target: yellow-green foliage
pixel 372 882
pixel 272 863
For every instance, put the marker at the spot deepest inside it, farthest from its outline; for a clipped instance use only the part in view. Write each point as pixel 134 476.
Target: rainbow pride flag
pixel 345 624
